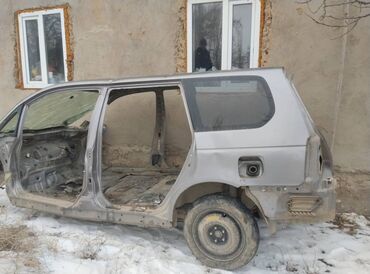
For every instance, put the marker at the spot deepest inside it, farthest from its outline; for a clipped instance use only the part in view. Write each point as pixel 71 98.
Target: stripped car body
pixel 281 167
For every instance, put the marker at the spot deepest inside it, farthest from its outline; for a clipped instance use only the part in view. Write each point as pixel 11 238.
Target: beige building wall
pixel 113 39
pixel 352 133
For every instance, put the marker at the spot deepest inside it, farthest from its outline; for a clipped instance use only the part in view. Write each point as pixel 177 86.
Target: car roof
pixel 170 77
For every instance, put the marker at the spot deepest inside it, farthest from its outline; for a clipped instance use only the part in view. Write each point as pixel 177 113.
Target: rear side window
pixel 228 103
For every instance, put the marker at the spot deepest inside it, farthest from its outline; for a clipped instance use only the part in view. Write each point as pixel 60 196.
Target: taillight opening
pixel 320 163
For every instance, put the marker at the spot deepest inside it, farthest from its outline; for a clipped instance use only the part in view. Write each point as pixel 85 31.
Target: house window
pixel 223 34
pixel 42 42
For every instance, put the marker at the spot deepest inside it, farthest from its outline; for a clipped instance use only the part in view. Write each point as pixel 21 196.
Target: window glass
pixel 207 36
pixel 54 48
pixel 60 109
pixel 43 49
pixel 241 36
pixel 33 50
pixel 11 126
pixel 225 34
pixel 227 103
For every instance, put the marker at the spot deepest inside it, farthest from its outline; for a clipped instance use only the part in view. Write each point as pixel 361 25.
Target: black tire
pixel 221 232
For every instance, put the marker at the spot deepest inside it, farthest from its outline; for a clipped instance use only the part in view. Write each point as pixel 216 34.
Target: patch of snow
pixel 72 246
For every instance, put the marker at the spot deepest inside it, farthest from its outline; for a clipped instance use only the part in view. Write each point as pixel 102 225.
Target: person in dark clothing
pixel 202 56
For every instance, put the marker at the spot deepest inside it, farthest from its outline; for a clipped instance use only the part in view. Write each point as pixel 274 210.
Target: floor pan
pixel 147 190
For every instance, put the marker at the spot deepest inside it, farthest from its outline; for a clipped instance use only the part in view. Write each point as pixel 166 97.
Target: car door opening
pixel 146 139
pixel 54 143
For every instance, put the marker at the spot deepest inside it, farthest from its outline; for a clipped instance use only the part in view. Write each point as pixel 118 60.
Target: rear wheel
pixel 221 232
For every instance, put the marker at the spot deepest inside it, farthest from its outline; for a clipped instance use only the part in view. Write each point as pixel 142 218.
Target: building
pixel 43 42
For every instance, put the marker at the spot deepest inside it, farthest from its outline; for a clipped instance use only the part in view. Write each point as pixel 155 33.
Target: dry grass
pixel 346 225
pixel 91 249
pixel 20 242
pixel 16 239
pixel 52 245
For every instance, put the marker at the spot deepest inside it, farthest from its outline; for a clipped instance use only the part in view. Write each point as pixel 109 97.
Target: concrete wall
pixel 142 37
pixel 352 128
pixel 9 96
pixel 352 133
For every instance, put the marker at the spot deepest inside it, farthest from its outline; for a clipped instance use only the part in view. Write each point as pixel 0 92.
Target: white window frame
pixel 38 15
pixel 227 17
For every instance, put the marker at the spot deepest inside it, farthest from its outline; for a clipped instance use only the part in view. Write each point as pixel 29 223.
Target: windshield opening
pixel 60 109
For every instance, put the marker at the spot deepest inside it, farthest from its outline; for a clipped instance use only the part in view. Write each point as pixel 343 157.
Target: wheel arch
pixel 191 194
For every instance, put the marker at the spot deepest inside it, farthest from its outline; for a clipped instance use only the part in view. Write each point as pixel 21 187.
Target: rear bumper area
pixel 289 204
pixel 319 206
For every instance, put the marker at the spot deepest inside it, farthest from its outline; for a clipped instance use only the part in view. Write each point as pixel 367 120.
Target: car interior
pixel 146 139
pixel 54 143
pixel 145 143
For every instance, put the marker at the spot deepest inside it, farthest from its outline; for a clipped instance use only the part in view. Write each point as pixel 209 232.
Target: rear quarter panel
pixel 280 143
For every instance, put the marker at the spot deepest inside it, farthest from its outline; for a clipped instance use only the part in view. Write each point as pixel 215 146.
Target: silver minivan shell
pixel 281 144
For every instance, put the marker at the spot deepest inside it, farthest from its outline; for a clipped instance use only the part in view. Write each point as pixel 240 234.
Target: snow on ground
pixel 62 245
